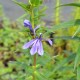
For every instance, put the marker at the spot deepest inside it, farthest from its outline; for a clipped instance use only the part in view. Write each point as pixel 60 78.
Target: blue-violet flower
pixel 36 45
pixel 28 24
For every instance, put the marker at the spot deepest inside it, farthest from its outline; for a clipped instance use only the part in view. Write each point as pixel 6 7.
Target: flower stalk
pixel 34 64
pixel 34 61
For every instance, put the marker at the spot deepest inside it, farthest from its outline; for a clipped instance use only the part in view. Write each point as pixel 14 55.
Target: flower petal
pixel 50 42
pixel 27 45
pixel 36 27
pixel 34 48
pixel 40 48
pixel 27 23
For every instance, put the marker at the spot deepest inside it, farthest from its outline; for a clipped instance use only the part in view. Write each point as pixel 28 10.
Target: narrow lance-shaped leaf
pixel 77 58
pixel 67 24
pixel 77 31
pixel 23 5
pixel 21 17
pixel 70 4
pixel 67 38
pixel 78 73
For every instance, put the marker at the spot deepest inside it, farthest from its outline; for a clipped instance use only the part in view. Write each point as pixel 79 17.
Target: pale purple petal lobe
pixel 27 23
pixel 27 45
pixel 34 48
pixel 50 42
pixel 36 27
pixel 40 48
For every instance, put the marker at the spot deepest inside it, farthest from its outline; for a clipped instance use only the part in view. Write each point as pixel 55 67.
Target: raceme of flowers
pixel 35 44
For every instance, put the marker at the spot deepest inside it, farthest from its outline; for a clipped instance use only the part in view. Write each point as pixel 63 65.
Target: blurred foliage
pixel 59 62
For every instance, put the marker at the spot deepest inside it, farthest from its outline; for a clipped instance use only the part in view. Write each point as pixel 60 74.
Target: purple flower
pixel 36 45
pixel 28 24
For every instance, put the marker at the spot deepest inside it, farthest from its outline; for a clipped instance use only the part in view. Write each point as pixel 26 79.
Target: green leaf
pixel 78 73
pixel 67 37
pixel 22 17
pixel 4 71
pixel 77 31
pixel 35 2
pixel 70 4
pixel 65 61
pixel 23 5
pixel 67 24
pixel 29 78
pixel 77 58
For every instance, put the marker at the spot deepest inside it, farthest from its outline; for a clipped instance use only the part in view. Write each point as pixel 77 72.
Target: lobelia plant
pixel 36 43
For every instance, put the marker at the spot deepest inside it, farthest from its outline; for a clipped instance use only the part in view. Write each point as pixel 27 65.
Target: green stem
pixel 32 15
pixel 57 13
pixel 34 64
pixel 34 61
pixel 77 10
